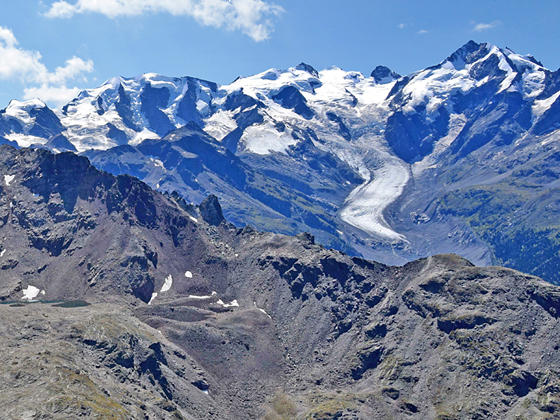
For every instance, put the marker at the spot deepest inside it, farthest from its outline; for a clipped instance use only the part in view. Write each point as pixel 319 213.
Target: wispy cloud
pixel 57 95
pixel 401 25
pixel 422 32
pixel 483 26
pixel 27 67
pixel 252 17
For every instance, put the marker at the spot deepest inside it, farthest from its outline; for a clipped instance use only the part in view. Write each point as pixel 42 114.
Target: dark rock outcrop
pixel 211 211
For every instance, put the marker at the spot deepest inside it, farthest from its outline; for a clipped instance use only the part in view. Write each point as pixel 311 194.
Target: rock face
pixel 188 319
pixel 211 211
pixel 382 74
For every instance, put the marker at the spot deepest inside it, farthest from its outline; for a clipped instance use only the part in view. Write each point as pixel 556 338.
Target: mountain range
pixel 459 157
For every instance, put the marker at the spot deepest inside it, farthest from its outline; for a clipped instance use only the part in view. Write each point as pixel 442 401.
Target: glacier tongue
pixel 365 205
pixel 276 117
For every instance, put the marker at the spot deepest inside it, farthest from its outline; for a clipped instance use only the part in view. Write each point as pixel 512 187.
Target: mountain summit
pixel 385 166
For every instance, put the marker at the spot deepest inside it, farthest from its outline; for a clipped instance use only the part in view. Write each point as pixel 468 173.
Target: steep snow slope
pixel 130 110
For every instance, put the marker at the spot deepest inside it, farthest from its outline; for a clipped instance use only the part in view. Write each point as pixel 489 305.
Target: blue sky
pixel 221 39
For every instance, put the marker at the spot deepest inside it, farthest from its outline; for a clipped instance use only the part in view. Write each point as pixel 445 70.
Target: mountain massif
pixel 459 157
pixel 118 301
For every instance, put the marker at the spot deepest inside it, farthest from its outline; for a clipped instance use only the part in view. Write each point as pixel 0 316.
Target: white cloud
pixel 26 66
pixel 7 37
pixel 252 17
pixel 401 25
pixel 422 32
pixel 481 26
pixel 58 95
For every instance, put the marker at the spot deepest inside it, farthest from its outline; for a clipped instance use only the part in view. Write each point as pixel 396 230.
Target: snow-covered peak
pixel 273 80
pixel 21 109
pixel 507 59
pixel 467 54
pixel 128 110
pixel 383 75
pixel 156 80
pixel 333 85
pixel 471 67
pixel 28 122
pixel 306 67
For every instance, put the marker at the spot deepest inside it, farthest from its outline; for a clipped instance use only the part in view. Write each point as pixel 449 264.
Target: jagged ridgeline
pixel 121 302
pixel 459 157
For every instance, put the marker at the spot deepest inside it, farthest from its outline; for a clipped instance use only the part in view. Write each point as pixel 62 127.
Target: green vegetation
pixel 329 406
pixel 520 225
pixel 282 408
pixel 85 396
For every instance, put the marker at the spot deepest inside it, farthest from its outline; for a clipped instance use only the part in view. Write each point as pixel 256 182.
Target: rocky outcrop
pixel 211 211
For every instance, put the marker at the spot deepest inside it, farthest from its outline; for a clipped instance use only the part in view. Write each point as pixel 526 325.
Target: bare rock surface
pixel 120 302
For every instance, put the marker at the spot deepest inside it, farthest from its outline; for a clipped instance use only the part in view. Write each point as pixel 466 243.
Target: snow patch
pixel 541 106
pixel 456 124
pixel 506 83
pixel 232 304
pixel 8 179
pixel 145 134
pixel 2 252
pixel 262 310
pixel 168 282
pixel 25 140
pixel 264 139
pixel 30 293
pixel 203 297
pixel 158 163
pixel 431 87
pixel 154 295
pixel 188 274
pixel 193 220
pixel 220 124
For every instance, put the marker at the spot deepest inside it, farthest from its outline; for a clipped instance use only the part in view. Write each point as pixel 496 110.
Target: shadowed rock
pixel 211 211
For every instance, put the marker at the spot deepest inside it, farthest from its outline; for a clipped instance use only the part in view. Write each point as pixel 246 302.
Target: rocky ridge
pixel 120 301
